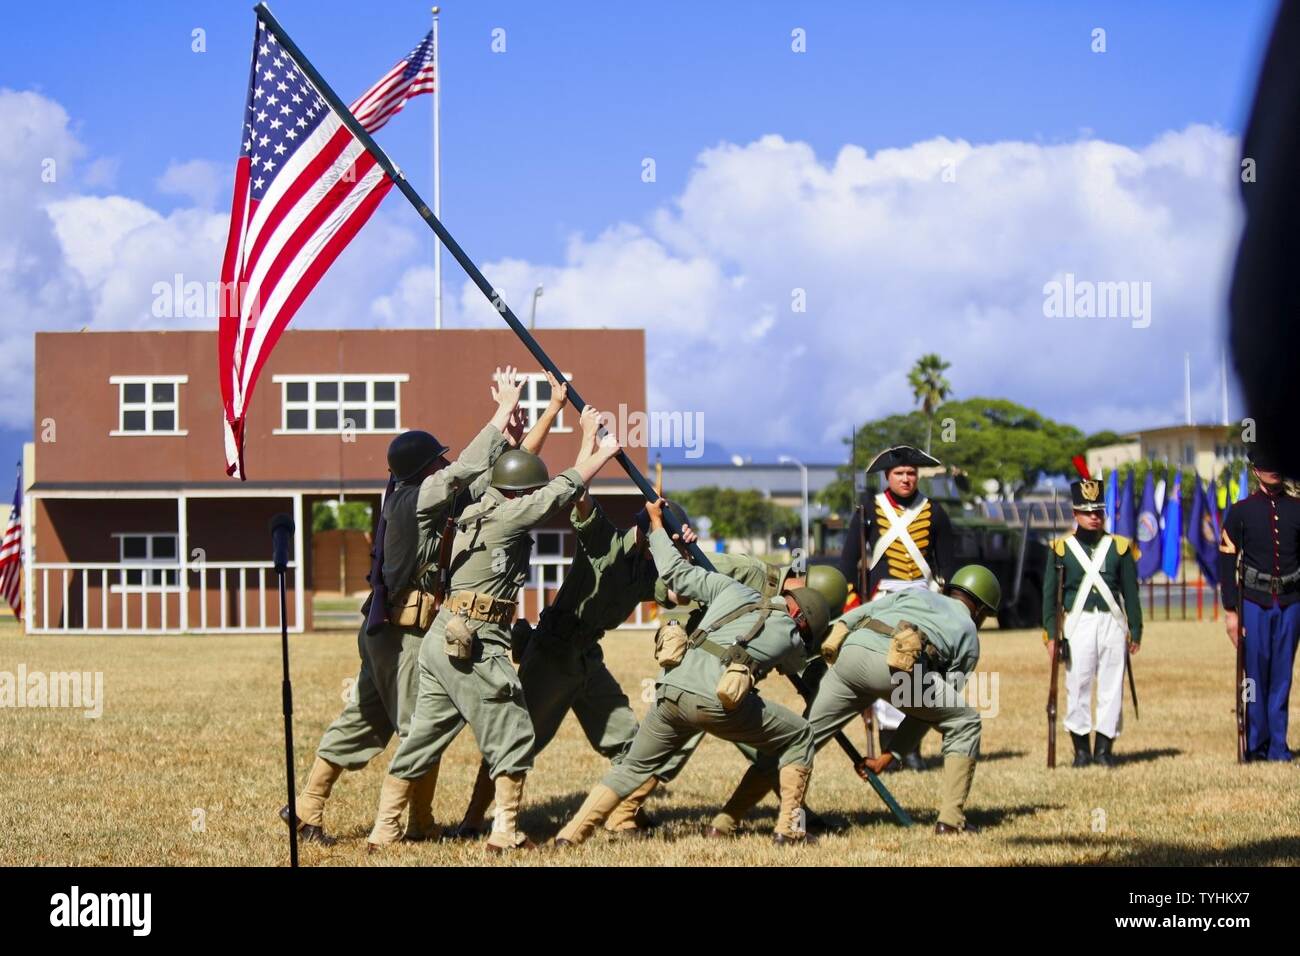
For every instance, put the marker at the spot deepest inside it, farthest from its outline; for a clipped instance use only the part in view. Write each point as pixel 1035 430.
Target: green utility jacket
pixel 945 621
pixel 1119 572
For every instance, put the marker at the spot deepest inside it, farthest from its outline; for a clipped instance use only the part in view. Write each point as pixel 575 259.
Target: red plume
pixel 1081 466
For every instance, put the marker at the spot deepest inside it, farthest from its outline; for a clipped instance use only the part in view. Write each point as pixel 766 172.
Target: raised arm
pixel 678 574
pixel 468 469
pixel 536 437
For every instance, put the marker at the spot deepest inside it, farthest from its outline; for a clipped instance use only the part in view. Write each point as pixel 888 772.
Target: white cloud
pixel 198 180
pixel 895 260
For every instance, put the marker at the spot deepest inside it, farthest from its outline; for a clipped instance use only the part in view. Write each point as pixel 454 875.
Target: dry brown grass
pixel 193 724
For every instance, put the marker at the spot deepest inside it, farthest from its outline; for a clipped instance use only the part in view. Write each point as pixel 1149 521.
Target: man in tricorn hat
pixel 424 485
pixel 1103 621
pixel 1262 532
pixel 909 543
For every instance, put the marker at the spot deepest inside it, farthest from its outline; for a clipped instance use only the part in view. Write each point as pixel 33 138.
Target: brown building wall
pixel 447 393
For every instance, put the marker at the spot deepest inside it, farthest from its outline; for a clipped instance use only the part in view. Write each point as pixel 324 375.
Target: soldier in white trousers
pixel 1103 622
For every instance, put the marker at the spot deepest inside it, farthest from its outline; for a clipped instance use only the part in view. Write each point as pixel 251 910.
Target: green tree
pixel 349 515
pixel 737 514
pixel 992 438
pixel 323 517
pixel 929 388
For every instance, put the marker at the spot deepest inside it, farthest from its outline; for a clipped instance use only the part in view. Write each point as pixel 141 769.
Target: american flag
pixel 304 187
pixel 409 77
pixel 11 553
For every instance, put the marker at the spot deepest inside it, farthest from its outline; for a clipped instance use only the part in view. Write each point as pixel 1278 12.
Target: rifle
pixel 1241 657
pixel 1056 660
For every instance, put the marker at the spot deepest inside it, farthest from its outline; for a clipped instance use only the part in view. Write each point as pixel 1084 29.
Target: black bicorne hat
pixel 901 455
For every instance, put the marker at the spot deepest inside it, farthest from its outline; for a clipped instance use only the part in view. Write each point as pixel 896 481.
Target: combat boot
pixel 790 826
pixel 912 760
pixel 394 798
pixel 753 787
pixel 958 775
pixel 628 818
pixel 600 803
pixel 1083 749
pixel 420 824
pixel 310 804
pixel 1102 756
pixel 505 835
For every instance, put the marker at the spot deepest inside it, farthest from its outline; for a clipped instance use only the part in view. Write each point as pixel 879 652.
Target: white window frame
pixel 149 406
pixel 534 406
pixel 563 559
pixel 146 564
pixel 311 406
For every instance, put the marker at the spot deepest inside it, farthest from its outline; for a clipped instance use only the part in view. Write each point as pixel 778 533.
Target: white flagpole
pixel 437 174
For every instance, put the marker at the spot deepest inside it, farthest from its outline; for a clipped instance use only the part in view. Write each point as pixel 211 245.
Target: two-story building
pixel 133 526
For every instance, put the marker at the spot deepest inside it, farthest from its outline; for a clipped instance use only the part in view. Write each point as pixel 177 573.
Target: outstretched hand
pixel 559 391
pixel 655 511
pixel 507 387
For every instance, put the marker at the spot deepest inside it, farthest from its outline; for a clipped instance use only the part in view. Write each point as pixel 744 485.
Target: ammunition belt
pixel 1271 583
pixel 481 607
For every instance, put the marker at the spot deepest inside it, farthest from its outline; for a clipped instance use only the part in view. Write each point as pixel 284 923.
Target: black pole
pixel 281 532
pixel 477 277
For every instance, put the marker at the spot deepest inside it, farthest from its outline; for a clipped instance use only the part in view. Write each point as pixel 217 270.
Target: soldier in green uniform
pixel 1100 573
pixel 917 648
pixel 424 486
pixel 742 636
pixel 465 670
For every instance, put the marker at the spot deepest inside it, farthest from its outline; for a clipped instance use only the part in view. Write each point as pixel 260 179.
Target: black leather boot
pixel 1083 749
pixel 1102 755
pixel 886 739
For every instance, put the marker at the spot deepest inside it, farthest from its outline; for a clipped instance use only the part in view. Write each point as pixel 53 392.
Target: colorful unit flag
pixel 1148 533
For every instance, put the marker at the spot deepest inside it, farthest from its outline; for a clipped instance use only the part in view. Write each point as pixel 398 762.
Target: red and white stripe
pixel 278 248
pixel 386 99
pixel 11 563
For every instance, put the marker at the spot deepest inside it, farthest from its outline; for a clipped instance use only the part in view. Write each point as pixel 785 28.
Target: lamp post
pixel 803 474
pixel 532 317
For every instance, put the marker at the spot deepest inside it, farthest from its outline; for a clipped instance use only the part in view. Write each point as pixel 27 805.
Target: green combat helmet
pixel 815 613
pixel 827 581
pixel 411 452
pixel 980 583
pixel 518 470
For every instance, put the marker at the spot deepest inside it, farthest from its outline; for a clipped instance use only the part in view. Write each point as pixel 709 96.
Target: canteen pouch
pixel 412 608
pixel 734 686
pixel 830 649
pixel 671 642
pixel 458 639
pixel 905 646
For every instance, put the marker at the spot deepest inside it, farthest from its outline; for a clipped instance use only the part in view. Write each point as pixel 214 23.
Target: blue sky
pixel 545 141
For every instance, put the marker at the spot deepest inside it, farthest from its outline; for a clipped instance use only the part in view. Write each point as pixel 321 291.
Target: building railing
pixel 220 597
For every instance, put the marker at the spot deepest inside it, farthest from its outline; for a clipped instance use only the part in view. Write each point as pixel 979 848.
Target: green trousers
pixel 557 676
pixel 483 692
pixel 860 675
pixel 679 716
pixel 382 700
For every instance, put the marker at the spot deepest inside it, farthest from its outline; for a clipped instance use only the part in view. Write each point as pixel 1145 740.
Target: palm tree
pixel 929 388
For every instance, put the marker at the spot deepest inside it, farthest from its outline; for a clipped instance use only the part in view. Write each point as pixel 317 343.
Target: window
pixel 315 404
pixel 144 550
pixel 1189 453
pixel 536 396
pixel 148 404
pixel 548 559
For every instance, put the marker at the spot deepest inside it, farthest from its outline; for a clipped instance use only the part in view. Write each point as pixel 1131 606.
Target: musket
pixel 1132 687
pixel 1057 643
pixel 863 580
pixel 1241 655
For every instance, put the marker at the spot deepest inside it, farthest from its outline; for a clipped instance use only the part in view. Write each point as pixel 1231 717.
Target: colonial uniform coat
pixel 1097 630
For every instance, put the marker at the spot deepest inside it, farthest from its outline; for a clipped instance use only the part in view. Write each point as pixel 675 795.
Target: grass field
pixel 186 764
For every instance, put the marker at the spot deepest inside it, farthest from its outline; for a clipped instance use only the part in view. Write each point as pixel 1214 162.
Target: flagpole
pixel 437 174
pixel 525 337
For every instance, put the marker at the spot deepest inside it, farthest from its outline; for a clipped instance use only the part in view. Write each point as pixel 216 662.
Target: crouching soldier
pixel 465 670
pixel 422 489
pixel 916 648
pixel 708 685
